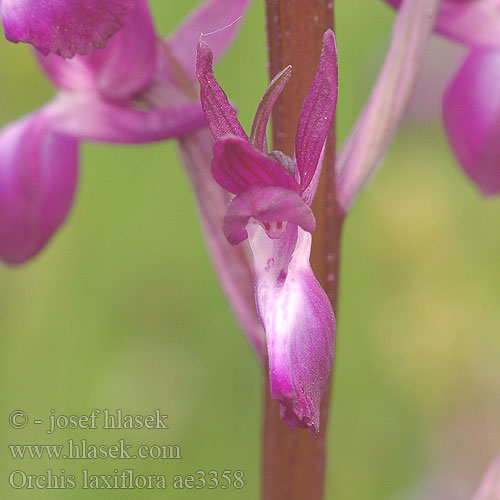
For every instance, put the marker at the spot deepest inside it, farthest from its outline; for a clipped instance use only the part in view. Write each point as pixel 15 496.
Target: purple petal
pixel 38 175
pixel 471 113
pixel 68 74
pixel 472 22
pixel 220 114
pixel 65 27
pixel 489 488
pixel 230 262
pixel 298 320
pixel 317 112
pixel 273 91
pixel 120 70
pixel 237 165
pixel 369 139
pixel 214 17
pixel 273 206
pixel 88 117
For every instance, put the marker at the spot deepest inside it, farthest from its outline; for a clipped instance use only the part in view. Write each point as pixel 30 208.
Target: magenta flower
pixel 271 207
pixel 65 27
pixel 471 103
pixel 126 92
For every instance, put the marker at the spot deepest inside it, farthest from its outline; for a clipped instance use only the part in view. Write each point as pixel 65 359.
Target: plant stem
pixel 294 462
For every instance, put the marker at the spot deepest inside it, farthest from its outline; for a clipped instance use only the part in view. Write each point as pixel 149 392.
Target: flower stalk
pixel 294 462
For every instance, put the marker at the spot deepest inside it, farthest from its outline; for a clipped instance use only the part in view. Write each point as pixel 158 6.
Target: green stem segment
pixel 294 462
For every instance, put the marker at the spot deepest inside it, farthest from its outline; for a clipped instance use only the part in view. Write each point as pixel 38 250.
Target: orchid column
pixel 293 463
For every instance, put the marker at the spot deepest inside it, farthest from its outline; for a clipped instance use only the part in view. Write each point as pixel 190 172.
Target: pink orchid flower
pixel 111 95
pixel 65 27
pixel 471 103
pixel 271 208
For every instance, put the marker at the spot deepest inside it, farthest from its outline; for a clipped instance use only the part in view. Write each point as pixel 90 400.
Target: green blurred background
pixel 123 309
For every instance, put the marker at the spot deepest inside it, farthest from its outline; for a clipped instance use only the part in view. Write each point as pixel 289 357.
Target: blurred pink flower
pixel 471 103
pixel 271 208
pixel 110 95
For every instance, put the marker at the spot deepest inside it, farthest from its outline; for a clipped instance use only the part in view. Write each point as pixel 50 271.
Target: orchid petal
pixel 215 18
pixel 273 91
pixel 220 114
pixel 237 165
pixel 377 124
pixel 68 74
pixel 38 175
pixel 266 204
pixel 118 71
pixel 125 66
pixel 489 489
pixel 317 111
pixel 61 26
pixel 230 262
pixel 298 320
pixel 471 113
pixel 472 22
pixel 475 23
pixel 88 117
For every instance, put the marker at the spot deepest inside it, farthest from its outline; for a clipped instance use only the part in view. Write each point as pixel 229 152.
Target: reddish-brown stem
pixel 294 462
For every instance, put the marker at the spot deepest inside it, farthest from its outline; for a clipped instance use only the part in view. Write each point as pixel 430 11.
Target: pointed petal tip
pixel 258 135
pixel 203 50
pixel 329 38
pixel 219 113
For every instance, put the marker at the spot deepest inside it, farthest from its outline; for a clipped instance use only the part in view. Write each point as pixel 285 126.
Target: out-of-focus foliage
pixel 123 310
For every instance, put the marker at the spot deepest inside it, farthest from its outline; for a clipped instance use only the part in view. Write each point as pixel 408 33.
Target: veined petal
pixel 471 113
pixel 118 71
pixel 489 488
pixel 237 166
pixel 88 117
pixel 472 22
pixel 65 27
pixel 273 91
pixel 38 175
pixel 220 114
pixel 298 320
pixel 219 18
pixel 266 204
pixel 317 111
